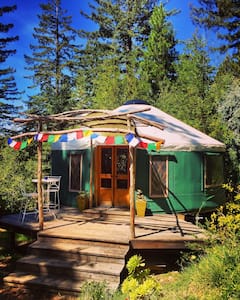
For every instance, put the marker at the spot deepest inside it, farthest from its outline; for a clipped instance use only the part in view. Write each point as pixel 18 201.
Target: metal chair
pixel 54 190
pixel 29 205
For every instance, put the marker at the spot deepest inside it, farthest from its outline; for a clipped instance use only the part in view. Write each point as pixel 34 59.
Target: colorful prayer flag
pixel 119 140
pixel 109 140
pixel 23 145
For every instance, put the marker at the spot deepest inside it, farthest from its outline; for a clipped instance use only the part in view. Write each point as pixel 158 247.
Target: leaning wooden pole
pixel 39 183
pixel 132 170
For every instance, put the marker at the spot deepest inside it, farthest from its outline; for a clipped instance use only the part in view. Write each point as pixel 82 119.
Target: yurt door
pixel 112 176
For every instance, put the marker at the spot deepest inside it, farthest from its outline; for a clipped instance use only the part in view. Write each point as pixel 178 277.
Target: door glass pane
pixel 122 161
pixel 106 183
pixel 106 161
pixel 122 184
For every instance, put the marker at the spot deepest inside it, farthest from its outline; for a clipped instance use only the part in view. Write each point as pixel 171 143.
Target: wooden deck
pixel 95 245
pixel 113 225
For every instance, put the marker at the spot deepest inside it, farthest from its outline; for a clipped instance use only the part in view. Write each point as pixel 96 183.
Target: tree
pixel 190 99
pixel 122 28
pixel 52 60
pixel 229 109
pixel 8 88
pixel 160 56
pixel 223 16
pixel 17 170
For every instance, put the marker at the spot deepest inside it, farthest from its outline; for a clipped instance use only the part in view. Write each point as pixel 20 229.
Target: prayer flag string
pixel 129 138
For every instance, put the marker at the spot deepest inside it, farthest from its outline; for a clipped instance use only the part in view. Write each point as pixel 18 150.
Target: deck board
pixel 157 231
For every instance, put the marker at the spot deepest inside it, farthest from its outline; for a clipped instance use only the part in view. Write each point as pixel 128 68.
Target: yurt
pixel 177 168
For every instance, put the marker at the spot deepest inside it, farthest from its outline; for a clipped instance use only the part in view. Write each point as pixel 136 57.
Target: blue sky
pixel 25 19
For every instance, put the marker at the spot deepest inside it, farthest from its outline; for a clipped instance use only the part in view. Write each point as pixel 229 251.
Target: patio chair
pixel 28 205
pixel 54 190
pixel 48 206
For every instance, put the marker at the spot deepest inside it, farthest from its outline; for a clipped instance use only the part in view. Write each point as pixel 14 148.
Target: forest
pixel 132 54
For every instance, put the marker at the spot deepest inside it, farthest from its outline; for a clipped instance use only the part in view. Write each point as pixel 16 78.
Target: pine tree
pixel 8 88
pixel 222 16
pixel 123 27
pixel 52 60
pixel 160 56
pixel 190 99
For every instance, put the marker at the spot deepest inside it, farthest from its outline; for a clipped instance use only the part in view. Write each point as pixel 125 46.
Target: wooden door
pixel 112 176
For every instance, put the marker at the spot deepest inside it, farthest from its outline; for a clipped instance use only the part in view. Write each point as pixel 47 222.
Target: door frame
pixel 110 196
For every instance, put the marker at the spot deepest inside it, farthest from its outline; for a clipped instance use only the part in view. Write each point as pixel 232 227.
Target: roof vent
pixel 136 101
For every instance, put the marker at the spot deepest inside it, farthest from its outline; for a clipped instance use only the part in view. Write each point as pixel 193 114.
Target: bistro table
pixel 46 187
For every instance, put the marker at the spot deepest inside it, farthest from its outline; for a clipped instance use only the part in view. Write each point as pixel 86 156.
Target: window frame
pixel 162 158
pixel 206 178
pixel 70 188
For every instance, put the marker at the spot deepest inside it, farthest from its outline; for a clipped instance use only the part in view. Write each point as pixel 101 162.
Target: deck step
pixel 53 259
pixel 70 268
pixel 79 252
pixel 46 283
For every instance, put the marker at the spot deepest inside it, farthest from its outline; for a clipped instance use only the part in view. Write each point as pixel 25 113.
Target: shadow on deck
pixel 111 224
pixel 95 245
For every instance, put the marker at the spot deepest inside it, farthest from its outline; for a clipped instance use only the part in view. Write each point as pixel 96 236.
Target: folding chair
pixel 29 205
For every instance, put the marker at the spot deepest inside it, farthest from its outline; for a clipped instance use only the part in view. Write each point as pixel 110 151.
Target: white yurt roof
pixel 178 136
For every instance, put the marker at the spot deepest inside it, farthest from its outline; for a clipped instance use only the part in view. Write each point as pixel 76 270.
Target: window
pixel 213 170
pixel 75 173
pixel 158 176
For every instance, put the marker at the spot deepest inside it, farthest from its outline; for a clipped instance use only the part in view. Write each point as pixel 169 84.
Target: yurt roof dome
pixel 177 134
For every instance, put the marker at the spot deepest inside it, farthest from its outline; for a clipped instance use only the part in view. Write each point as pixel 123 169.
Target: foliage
pixel 229 111
pixel 139 284
pixel 98 290
pixel 8 88
pixel 191 89
pixel 158 65
pixel 51 62
pixel 93 291
pixel 224 18
pixel 107 86
pixel 17 170
pixel 215 274
pixel 110 60
pixel 213 277
pixel 225 222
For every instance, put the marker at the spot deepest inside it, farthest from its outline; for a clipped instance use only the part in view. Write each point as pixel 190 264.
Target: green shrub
pixel 225 223
pixel 215 274
pixel 94 291
pixel 98 290
pixel 140 284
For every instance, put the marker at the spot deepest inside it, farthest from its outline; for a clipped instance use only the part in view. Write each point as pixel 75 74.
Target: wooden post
pixel 91 175
pixel 132 170
pixel 39 183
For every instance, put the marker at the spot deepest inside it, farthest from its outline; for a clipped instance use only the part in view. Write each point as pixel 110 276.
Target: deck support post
pixel 39 181
pixel 91 175
pixel 132 169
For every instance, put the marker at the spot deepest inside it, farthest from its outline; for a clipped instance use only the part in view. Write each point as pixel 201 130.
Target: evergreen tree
pixel 52 60
pixel 8 89
pixel 122 28
pixel 223 16
pixel 190 99
pixel 158 66
pixel 229 109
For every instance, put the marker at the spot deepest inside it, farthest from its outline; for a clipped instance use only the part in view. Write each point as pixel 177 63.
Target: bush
pixel 17 169
pixel 215 275
pixel 140 284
